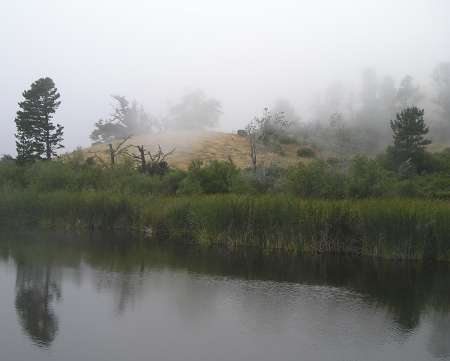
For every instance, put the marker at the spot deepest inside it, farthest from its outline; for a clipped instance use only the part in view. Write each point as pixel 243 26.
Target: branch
pixel 122 142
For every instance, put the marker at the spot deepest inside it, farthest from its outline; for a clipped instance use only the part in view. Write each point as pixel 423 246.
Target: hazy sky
pixel 245 53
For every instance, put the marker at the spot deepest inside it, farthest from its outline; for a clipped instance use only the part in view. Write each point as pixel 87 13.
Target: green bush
pixel 260 180
pixel 317 179
pixel 306 152
pixel 334 178
pixel 366 178
pixel 213 177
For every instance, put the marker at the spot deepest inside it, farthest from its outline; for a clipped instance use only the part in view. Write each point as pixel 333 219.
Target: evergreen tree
pixel 37 136
pixel 409 137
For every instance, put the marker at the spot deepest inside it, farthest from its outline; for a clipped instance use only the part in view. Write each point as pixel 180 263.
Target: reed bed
pixel 389 228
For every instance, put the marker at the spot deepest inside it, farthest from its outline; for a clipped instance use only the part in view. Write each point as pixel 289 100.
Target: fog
pixel 246 54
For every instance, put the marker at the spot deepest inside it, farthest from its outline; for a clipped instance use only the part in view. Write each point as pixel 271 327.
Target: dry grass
pixel 207 145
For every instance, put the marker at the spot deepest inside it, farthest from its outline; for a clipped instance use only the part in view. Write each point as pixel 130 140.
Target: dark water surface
pixel 67 297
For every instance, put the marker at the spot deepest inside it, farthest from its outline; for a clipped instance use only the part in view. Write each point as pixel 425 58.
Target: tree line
pixel 38 136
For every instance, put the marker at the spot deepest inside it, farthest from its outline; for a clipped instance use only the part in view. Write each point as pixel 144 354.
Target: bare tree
pixel 114 151
pixel 252 136
pixel 260 129
pixel 150 163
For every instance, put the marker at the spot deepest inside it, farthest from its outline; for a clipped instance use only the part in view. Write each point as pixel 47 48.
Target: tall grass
pixel 393 228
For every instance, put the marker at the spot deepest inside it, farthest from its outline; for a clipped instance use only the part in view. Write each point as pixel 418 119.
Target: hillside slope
pixel 206 145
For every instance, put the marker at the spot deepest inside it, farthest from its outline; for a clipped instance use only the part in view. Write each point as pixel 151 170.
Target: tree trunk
pixel 142 156
pixel 253 153
pixel 48 147
pixel 112 154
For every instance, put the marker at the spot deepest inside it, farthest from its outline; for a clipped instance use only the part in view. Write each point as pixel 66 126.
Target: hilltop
pixel 206 146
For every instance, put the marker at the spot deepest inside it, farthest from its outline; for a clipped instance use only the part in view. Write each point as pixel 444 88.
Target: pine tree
pixel 37 136
pixel 409 136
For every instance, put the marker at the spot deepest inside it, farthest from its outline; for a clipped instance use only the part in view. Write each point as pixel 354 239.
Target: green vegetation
pixel 360 177
pixel 409 140
pixel 360 206
pixel 306 152
pixel 394 205
pixel 309 208
pixel 398 228
pixel 37 137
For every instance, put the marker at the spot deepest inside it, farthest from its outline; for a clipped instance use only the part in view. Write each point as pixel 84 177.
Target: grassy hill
pixel 207 145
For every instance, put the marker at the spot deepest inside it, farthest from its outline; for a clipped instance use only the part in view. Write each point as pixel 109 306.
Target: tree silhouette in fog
pixel 194 111
pixel 126 120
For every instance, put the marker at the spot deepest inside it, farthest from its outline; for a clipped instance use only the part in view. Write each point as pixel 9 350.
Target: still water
pixel 108 297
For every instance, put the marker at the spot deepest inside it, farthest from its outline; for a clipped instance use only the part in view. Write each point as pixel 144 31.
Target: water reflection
pixel 37 287
pixel 439 342
pixel 269 293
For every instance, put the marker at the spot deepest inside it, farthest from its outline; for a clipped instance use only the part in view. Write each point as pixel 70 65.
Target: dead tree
pixel 151 163
pixel 252 137
pixel 114 151
pixel 260 128
pixel 119 149
pixel 140 158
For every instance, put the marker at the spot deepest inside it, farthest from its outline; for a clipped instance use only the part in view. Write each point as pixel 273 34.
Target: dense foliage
pixel 409 138
pixel 360 177
pixel 37 136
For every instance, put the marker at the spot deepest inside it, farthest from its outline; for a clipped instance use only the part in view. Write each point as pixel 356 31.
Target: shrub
pixel 306 152
pixel 317 179
pixel 287 139
pixel 367 178
pixel 213 177
pixel 261 180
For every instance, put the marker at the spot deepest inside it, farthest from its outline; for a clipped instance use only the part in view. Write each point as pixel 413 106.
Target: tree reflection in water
pixel 37 286
pixel 408 291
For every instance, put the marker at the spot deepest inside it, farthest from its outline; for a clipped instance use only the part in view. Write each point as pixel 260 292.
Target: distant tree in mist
pixel 441 80
pixel 125 121
pixel 290 114
pixel 381 100
pixel 334 98
pixel 37 136
pixel 408 94
pixel 194 111
pixel 388 97
pixel 409 130
pixel 329 103
pixel 263 130
pixel 369 94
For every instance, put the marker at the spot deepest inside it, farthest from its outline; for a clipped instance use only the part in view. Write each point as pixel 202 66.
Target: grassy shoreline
pixel 388 228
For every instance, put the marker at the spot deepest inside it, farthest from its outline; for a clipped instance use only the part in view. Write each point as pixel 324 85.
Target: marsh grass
pixel 390 228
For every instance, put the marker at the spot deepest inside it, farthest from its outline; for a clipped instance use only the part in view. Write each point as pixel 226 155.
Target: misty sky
pixel 244 53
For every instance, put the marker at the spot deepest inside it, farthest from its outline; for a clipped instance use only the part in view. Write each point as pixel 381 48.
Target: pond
pixel 71 297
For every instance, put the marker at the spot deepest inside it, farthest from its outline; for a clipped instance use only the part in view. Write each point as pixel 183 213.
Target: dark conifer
pixel 409 136
pixel 37 136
